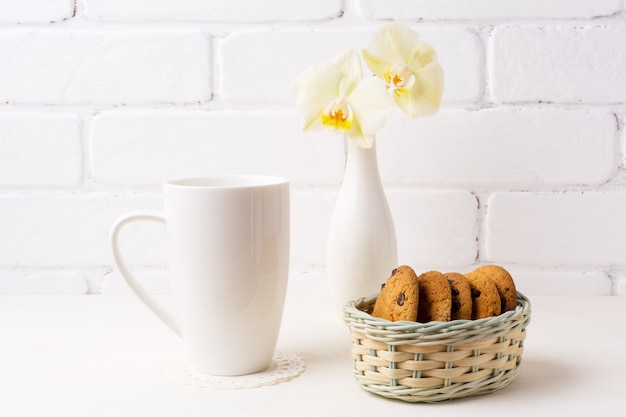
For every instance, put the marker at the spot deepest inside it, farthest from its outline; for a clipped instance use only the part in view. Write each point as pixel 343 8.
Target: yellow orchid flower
pixel 409 66
pixel 334 96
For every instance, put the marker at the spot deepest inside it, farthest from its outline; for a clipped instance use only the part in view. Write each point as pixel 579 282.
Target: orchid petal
pixel 377 65
pixel 425 96
pixel 313 90
pixel 409 66
pixel 393 43
pixel 321 87
pixel 351 69
pixel 372 106
pixel 402 39
pixel 423 55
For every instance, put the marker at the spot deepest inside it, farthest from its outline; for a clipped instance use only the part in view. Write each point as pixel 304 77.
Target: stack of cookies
pixel 434 296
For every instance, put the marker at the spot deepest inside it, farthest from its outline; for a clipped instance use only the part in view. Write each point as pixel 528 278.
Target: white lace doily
pixel 284 366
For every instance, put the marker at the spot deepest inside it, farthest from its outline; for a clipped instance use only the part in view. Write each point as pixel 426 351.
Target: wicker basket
pixel 431 362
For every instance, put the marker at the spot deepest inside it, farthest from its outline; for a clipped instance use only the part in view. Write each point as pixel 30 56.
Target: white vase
pixel 362 248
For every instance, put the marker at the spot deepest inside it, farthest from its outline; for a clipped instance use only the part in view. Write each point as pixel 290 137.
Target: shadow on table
pixel 540 377
pixel 537 378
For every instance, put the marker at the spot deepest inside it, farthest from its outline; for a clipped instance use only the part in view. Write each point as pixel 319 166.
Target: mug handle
pixel 132 282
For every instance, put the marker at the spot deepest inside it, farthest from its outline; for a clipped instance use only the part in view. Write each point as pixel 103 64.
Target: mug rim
pixel 227 181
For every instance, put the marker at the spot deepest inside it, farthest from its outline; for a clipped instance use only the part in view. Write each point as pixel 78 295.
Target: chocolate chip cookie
pixel 504 282
pixel 398 296
pixel 485 296
pixel 461 296
pixel 435 297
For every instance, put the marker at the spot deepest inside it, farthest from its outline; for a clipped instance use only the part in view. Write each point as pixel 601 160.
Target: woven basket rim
pixel 352 314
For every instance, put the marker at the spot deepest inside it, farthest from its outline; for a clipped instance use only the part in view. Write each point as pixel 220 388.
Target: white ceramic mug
pixel 228 261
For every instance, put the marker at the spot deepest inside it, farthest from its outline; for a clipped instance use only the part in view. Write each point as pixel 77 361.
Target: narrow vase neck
pixel 362 162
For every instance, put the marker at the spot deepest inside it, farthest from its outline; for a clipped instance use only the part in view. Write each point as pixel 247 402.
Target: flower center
pixel 337 114
pixel 400 78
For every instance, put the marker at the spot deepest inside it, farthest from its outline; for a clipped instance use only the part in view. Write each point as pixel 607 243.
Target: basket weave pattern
pixel 430 362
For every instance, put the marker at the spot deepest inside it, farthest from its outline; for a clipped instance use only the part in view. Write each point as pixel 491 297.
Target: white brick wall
pixel 29 11
pixel 40 149
pixel 565 229
pixel 501 148
pixel 488 9
pixel 586 68
pixel 112 67
pixel 189 143
pixel 100 101
pixel 251 11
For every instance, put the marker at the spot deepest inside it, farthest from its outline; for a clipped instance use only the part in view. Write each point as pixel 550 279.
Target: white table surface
pixel 106 355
